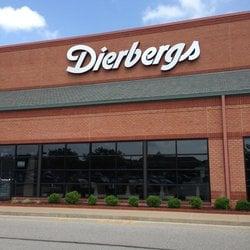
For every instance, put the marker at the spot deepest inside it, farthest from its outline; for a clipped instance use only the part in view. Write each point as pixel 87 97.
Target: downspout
pixel 225 147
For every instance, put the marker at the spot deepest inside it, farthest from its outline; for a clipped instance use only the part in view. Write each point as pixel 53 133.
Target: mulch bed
pixel 124 206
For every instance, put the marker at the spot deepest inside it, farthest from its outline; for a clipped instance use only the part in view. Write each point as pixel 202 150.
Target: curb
pixel 129 218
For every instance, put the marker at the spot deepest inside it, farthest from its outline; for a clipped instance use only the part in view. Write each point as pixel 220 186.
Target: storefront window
pixel 247 164
pixel 173 167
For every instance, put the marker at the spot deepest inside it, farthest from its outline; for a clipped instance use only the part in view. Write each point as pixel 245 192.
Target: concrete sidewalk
pixel 137 215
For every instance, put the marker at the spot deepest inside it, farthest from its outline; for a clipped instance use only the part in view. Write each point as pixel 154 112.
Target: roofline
pixel 225 18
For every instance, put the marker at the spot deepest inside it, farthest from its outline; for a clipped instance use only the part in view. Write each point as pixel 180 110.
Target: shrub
pixel 243 205
pixel 133 201
pixel 54 198
pixel 195 202
pixel 92 199
pixel 174 203
pixel 153 201
pixel 72 197
pixel 169 197
pixel 221 203
pixel 111 200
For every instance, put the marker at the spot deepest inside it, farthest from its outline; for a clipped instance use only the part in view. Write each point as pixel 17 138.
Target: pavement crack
pixel 83 243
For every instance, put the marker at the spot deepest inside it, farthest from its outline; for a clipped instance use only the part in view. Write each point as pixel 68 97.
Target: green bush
pixel 54 198
pixel 153 201
pixel 133 201
pixel 174 203
pixel 72 197
pixel 111 200
pixel 221 203
pixel 92 199
pixel 243 205
pixel 169 197
pixel 195 202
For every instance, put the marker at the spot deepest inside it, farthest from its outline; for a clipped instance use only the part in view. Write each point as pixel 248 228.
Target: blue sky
pixel 33 20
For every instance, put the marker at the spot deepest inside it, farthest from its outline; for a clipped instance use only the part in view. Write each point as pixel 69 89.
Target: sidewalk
pixel 154 216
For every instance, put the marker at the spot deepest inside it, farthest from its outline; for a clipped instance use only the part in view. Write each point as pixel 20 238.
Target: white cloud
pixel 22 18
pixel 182 9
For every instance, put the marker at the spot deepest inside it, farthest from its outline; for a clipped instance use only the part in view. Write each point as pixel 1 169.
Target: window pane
pixel 161 162
pixel 7 151
pixel 192 176
pixel 7 165
pixel 161 147
pixel 247 145
pixel 129 148
pixel 187 191
pixel 53 163
pixel 130 162
pixel 25 189
pixel 124 191
pixel 130 176
pixel 163 191
pixel 103 148
pixel 162 177
pixel 27 167
pixel 192 162
pixel 103 176
pixel 101 190
pixel 76 163
pixel 192 147
pixel 81 177
pixel 53 149
pixel 27 150
pixel 77 149
pixel 103 162
pixel 47 189
pixel 52 176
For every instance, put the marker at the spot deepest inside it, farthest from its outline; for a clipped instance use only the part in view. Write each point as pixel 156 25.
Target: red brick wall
pixel 224 45
pixel 196 118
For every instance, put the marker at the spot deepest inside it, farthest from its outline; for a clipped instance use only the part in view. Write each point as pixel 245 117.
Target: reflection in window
pixel 169 170
pixel 53 149
pixel 247 164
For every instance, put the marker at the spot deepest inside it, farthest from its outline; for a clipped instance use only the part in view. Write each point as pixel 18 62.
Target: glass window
pixel 161 147
pixel 27 150
pixel 129 148
pixel 161 161
pixel 163 190
pixel 76 163
pixel 103 176
pixel 192 162
pixel 192 176
pixel 53 163
pixel 103 148
pixel 192 147
pixel 81 177
pixel 7 165
pixel 103 162
pixel 77 149
pixel 47 189
pixel 52 176
pixel 124 191
pixel 130 176
pixel 26 190
pixel 130 162
pixel 53 149
pixel 7 151
pixel 162 177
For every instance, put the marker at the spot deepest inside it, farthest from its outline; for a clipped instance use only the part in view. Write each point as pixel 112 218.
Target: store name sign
pixel 86 59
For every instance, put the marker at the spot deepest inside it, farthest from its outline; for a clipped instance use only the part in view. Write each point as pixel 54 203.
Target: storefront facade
pixel 160 110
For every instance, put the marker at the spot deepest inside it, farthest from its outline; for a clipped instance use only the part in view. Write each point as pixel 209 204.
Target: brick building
pixel 130 128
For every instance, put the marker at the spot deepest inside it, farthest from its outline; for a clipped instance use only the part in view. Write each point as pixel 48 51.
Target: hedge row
pixel 151 201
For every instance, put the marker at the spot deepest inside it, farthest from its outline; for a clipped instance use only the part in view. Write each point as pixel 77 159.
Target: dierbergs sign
pixel 86 59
